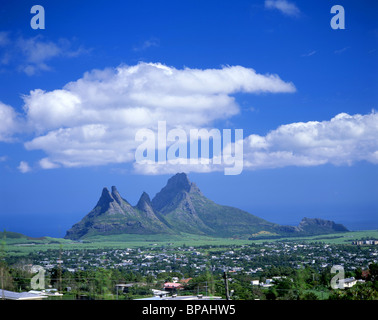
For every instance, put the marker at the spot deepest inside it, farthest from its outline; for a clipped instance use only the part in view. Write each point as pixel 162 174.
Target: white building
pixel 255 282
pixel 10 295
pixel 349 282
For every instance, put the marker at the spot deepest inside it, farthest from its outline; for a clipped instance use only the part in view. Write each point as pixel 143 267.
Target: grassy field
pixel 339 238
pixel 24 245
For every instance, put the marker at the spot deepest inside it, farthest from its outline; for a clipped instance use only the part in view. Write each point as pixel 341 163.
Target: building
pixel 268 283
pixel 10 295
pixel 160 293
pixel 47 292
pixel 255 282
pixel 349 282
pixel 123 288
pixel 171 286
pixel 367 242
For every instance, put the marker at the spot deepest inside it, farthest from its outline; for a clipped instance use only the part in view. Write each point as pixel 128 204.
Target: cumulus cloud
pixel 284 6
pixel 343 140
pixel 24 167
pixel 33 55
pixel 45 163
pixel 93 121
pixel 9 122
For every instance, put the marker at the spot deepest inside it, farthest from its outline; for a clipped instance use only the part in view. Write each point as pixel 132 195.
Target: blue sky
pixel 73 95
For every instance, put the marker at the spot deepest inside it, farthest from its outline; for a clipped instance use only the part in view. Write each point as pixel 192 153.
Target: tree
pixel 271 294
pixel 103 281
pixel 284 287
pixel 373 270
pixel 309 296
pixel 360 291
pixel 150 279
pixel 6 280
pixel 257 293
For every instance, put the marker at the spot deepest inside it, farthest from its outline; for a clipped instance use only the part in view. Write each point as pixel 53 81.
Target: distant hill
pixel 315 226
pixel 180 207
pixel 16 235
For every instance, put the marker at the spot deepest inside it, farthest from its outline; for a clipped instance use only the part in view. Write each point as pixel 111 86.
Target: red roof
pixel 365 273
pixel 185 280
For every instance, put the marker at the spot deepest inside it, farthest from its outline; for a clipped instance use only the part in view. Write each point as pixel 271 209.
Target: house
pixel 47 292
pixel 170 286
pixel 160 293
pixel 349 282
pixel 123 288
pixel 268 283
pixel 368 242
pixel 10 295
pixel 255 282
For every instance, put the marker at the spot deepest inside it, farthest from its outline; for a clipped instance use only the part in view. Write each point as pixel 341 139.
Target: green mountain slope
pixel 188 210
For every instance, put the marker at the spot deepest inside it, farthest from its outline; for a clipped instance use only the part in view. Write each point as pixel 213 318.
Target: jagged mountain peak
pixel 105 198
pixel 114 190
pixel 117 197
pixel 179 181
pixel 175 190
pixel 144 200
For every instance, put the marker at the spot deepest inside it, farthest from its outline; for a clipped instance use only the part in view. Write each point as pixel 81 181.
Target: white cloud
pixel 9 122
pixel 93 120
pixel 24 167
pixel 284 6
pixel 36 50
pixel 45 163
pixel 309 54
pixel 33 55
pixel 343 140
pixel 152 42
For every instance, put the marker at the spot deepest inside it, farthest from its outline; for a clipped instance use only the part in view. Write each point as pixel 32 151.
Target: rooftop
pixel 10 295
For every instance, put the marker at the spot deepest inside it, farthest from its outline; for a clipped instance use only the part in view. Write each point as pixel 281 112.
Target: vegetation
pixel 299 270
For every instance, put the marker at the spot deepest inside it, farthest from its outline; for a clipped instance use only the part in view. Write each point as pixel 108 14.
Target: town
pixel 268 270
